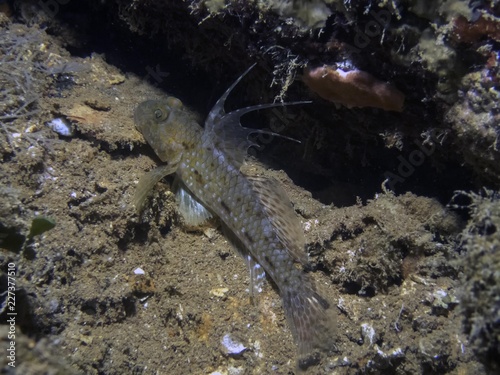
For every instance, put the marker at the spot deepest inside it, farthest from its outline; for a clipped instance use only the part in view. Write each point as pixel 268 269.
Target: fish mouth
pixel 141 114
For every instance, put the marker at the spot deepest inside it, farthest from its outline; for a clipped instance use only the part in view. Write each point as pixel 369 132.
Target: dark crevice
pixel 330 173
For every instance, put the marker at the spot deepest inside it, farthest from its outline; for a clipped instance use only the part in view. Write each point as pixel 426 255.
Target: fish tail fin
pixel 311 319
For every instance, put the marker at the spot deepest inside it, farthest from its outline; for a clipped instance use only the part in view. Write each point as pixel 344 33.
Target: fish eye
pixel 158 113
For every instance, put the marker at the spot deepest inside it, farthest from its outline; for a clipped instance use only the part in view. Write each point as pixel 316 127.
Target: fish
pixel 255 212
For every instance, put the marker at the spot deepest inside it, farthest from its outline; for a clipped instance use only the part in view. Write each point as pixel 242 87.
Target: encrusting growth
pixel 353 88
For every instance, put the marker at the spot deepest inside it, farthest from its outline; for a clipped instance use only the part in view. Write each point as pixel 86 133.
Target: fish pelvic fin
pixel 257 272
pixel 312 321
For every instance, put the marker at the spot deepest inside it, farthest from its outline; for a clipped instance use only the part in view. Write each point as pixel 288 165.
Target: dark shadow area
pixel 337 167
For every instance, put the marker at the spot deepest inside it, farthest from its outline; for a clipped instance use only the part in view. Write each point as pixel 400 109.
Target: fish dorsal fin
pixel 192 211
pixel 218 110
pixel 230 137
pixel 283 218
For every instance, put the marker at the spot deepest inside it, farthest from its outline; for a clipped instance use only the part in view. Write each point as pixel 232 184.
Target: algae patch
pixel 40 225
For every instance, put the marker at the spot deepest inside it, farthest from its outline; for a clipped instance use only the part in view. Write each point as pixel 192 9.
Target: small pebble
pixel 231 346
pixel 219 292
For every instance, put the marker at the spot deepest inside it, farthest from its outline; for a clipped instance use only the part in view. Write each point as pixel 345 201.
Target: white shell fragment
pixel 368 333
pixel 339 362
pixel 139 271
pixel 61 126
pixel 231 346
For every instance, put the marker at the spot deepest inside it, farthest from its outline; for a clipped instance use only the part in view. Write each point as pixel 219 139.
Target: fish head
pixel 151 113
pixel 160 122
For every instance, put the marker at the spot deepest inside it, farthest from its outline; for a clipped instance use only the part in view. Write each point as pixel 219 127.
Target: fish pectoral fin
pixel 280 212
pixel 193 212
pixel 148 181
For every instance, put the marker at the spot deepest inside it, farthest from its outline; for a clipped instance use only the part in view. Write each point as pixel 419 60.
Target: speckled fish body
pixel 254 210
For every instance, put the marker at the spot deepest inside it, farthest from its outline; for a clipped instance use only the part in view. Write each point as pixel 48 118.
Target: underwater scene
pixel 229 187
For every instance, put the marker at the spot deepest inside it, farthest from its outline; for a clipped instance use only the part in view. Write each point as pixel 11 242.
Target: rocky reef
pixel 480 302
pixel 440 55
